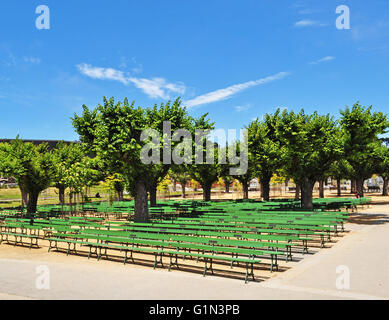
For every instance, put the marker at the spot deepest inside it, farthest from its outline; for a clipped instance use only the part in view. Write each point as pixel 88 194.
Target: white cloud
pixel 154 88
pixel 157 87
pixel 33 60
pixel 102 73
pixel 308 23
pixel 243 107
pixel 325 59
pixel 226 93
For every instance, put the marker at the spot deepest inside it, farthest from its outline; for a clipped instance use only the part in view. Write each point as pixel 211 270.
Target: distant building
pixel 52 143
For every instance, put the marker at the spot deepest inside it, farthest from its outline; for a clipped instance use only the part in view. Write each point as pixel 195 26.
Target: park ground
pixel 363 249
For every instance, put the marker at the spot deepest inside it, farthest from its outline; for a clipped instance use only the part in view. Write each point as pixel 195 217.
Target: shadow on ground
pixel 369 218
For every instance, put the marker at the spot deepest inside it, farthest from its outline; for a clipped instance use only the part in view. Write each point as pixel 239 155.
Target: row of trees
pixel 310 148
pixel 36 168
pixel 304 147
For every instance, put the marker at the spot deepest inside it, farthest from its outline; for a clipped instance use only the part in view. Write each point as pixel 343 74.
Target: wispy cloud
pixel 308 23
pixel 308 11
pixel 33 60
pixel 12 60
pixel 124 64
pixel 157 87
pixel 325 59
pixel 154 88
pixel 243 107
pixel 102 73
pixel 226 93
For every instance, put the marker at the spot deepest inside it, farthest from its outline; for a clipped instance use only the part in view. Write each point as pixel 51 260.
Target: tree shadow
pixel 368 218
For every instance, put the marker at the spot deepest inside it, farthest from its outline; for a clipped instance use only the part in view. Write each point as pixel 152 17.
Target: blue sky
pixel 234 59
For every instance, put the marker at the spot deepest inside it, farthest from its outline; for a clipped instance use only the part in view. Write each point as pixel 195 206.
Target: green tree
pixel 80 175
pixel 309 144
pixel 247 169
pixel 175 117
pixel 264 151
pixel 31 166
pixel 64 156
pixel 206 173
pixel 180 174
pixel 201 170
pixel 113 131
pixel 340 169
pixel 383 166
pixel 361 128
pixel 112 184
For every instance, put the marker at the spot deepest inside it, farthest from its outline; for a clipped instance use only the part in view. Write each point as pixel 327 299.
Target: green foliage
pixel 361 128
pixel 65 156
pixel 264 147
pixel 382 166
pixel 110 185
pixel 308 144
pixel 113 131
pixel 31 166
pixel 80 174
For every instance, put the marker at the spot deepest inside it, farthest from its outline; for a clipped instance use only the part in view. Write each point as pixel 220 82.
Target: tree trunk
pixel 174 185
pixel 61 195
pixel 227 185
pixel 183 190
pixel 265 188
pixel 297 194
pixel 353 186
pixel 321 188
pixel 338 187
pixel 207 192
pixel 24 197
pixel 385 187
pixel 141 213
pixel 71 201
pixel 153 194
pixel 32 201
pixel 245 190
pixel 359 185
pixel 306 193
pixel 119 190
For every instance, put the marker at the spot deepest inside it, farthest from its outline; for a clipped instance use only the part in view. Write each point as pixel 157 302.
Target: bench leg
pixel 156 260
pixel 276 259
pixel 205 266
pixel 175 263
pixel 50 246
pixel 67 253
pixel 251 273
pixel 125 256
